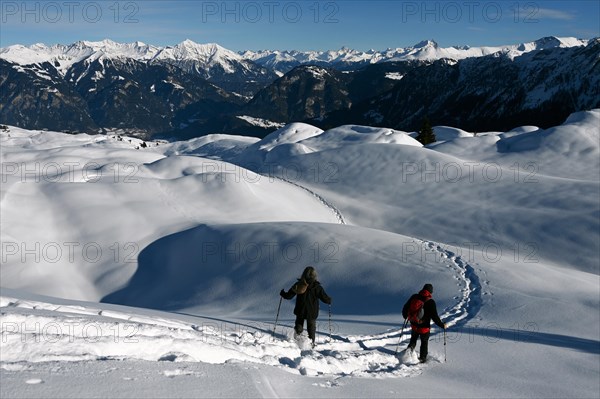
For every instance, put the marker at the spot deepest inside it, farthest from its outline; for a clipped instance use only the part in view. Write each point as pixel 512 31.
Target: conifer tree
pixel 426 134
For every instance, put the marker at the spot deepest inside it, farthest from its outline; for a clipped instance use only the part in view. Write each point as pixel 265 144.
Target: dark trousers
pixel 424 343
pixel 311 326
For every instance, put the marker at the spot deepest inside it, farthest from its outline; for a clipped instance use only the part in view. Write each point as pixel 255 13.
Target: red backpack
pixel 416 310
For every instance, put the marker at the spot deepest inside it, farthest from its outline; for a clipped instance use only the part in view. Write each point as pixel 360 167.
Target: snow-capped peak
pixel 426 43
pixel 136 50
pixel 186 50
pixel 103 44
pixel 551 42
pixel 425 50
pixel 190 50
pixel 190 54
pixel 63 56
pixel 202 57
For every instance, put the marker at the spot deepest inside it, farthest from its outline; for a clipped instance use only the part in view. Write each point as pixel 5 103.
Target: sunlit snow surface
pixel 153 269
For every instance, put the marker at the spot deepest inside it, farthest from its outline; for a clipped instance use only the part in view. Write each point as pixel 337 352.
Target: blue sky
pixel 300 25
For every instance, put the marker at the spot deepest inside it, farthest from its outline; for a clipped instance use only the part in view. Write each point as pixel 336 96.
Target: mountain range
pixel 427 50
pixel 193 89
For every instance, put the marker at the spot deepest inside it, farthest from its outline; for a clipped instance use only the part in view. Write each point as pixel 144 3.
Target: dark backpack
pixel 299 287
pixel 416 310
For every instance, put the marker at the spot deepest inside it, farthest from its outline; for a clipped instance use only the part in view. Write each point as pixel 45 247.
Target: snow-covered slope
pixel 504 224
pixel 144 187
pixel 519 189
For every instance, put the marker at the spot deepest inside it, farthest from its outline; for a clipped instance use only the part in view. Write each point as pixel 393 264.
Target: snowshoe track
pixel 467 306
pixel 338 215
pixel 36 331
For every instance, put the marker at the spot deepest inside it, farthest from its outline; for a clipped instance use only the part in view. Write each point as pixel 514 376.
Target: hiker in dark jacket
pixel 308 291
pixel 421 330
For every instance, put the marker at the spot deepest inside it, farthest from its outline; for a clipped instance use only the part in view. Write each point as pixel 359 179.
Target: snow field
pixel 219 226
pixel 42 332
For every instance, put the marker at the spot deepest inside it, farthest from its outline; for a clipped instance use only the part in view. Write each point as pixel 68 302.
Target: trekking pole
pixel 445 346
pixel 400 337
pixel 329 322
pixel 277 317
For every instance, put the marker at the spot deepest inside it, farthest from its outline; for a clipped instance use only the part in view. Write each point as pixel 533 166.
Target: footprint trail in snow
pixel 35 331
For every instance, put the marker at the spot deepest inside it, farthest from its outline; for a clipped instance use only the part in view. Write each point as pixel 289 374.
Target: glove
pixel 445 326
pixel 282 292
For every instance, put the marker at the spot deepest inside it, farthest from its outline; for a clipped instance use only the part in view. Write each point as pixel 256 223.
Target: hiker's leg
pixel 413 340
pixel 424 346
pixel 298 326
pixel 311 326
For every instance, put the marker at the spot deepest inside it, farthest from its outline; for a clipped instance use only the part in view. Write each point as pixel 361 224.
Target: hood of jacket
pixel 425 294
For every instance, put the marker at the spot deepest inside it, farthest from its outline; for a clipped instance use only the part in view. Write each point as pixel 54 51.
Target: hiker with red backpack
pixel 308 291
pixel 420 310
